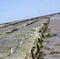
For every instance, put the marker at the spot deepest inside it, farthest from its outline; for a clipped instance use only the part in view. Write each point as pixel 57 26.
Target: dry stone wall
pixel 36 52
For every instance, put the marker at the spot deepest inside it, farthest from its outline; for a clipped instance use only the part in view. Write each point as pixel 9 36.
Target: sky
pixel 14 10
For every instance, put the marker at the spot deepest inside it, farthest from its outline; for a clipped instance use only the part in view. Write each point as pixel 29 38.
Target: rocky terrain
pixel 36 38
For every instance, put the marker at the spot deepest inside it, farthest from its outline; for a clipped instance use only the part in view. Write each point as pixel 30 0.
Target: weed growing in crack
pixel 54 52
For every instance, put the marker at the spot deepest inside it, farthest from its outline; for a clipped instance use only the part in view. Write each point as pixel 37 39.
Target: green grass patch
pixel 58 44
pixel 41 54
pixel 12 30
pixel 20 35
pixel 49 35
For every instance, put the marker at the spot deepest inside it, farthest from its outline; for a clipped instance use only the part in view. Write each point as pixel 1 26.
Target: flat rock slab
pixel 53 43
pixel 17 39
